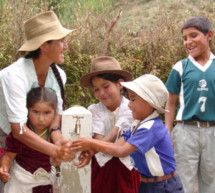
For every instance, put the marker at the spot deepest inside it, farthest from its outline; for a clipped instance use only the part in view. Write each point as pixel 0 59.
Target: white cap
pixel 151 89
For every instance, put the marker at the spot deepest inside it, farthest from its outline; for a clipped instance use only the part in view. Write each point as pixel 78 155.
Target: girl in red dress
pixel 111 118
pixel 31 170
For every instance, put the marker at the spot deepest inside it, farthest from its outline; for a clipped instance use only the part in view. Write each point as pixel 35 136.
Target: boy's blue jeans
pixel 172 185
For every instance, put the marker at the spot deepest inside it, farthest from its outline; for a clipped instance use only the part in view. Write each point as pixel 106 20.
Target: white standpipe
pixel 76 122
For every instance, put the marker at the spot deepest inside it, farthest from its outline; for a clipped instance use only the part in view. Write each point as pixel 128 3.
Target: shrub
pixel 143 43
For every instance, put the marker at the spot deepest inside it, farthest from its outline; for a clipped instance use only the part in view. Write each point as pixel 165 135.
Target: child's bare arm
pixel 118 149
pixel 6 162
pixel 171 106
pixel 111 137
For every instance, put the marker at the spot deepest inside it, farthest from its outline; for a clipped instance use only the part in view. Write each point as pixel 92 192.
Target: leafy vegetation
pixel 146 39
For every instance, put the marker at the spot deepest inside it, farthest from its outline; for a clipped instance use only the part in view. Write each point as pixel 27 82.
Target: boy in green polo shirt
pixel 193 81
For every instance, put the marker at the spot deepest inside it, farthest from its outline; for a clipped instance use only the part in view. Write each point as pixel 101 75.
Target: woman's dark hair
pixel 41 94
pixel 60 82
pixel 35 54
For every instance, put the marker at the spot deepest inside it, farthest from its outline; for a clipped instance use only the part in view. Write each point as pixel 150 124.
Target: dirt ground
pixel 56 189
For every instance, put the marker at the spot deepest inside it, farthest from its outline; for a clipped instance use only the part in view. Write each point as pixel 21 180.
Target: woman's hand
pixel 64 152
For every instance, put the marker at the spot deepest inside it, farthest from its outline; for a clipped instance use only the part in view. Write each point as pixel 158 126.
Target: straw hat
pixel 41 28
pixel 101 65
pixel 151 89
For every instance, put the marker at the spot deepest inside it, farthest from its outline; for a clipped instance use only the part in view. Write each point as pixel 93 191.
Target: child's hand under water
pixel 84 158
pixel 4 175
pixel 81 144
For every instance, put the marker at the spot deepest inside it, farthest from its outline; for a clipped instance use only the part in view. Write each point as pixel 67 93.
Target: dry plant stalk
pixel 108 32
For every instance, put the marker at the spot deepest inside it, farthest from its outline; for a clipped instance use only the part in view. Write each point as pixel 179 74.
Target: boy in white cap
pixel 147 142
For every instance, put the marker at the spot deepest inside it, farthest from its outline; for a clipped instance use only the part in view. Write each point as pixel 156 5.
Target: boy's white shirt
pixel 199 66
pixel 152 116
pixel 23 181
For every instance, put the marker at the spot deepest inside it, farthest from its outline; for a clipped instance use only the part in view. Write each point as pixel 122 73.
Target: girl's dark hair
pixel 108 76
pixel 113 78
pixel 35 54
pixel 41 94
pixel 200 23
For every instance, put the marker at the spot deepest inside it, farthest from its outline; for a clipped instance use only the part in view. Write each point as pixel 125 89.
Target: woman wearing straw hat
pixel 44 46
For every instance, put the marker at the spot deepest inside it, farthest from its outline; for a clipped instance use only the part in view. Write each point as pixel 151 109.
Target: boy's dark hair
pixel 41 94
pixel 200 23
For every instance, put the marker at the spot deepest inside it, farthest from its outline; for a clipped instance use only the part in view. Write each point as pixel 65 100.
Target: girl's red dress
pixel 114 177
pixel 30 160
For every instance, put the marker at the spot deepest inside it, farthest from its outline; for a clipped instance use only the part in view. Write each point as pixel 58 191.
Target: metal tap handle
pixel 77 124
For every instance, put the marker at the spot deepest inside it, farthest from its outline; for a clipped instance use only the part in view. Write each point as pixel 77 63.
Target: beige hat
pixel 151 89
pixel 101 65
pixel 41 28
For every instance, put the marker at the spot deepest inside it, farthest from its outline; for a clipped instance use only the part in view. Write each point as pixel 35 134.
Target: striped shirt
pixel 195 85
pixel 154 155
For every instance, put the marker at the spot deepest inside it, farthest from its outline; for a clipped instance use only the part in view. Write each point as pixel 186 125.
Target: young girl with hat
pixel 147 142
pixel 26 174
pixel 111 118
pixel 44 47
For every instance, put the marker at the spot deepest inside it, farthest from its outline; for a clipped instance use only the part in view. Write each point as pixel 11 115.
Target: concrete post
pixel 76 122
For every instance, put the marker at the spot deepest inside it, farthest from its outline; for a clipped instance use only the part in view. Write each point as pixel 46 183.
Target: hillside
pixel 148 12
pixel 146 38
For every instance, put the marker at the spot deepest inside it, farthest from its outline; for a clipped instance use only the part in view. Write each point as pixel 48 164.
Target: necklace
pixel 43 133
